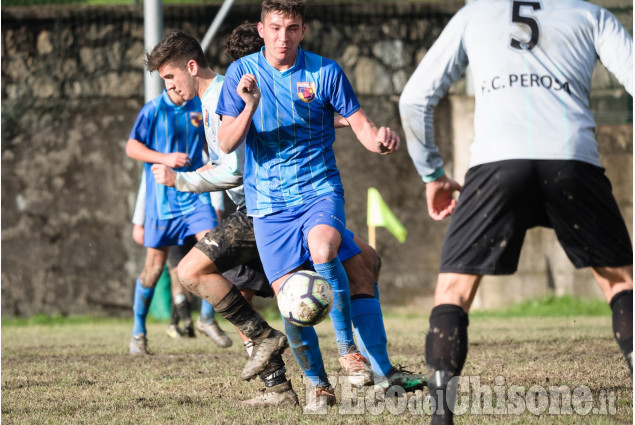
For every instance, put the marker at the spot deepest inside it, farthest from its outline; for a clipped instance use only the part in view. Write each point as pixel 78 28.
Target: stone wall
pixel 72 85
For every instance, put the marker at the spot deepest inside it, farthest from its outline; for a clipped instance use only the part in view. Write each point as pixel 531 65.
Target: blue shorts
pixel 159 233
pixel 349 248
pixel 282 237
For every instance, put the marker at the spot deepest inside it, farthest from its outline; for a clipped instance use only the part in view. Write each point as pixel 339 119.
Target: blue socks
pixel 306 349
pixel 368 324
pixel 141 306
pixel 334 273
pixel 207 312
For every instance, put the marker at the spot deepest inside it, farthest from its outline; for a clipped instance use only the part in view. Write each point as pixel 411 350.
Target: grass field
pixel 78 371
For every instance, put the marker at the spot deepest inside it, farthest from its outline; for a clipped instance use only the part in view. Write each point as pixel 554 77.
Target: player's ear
pixel 192 67
pixel 261 28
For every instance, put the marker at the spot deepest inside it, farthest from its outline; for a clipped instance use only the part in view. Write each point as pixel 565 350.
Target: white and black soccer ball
pixel 305 298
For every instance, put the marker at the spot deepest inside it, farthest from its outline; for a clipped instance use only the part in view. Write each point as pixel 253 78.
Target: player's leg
pixel 200 224
pixel 181 297
pixel 282 251
pixel 227 245
pixel 144 291
pixel 174 331
pixel 368 324
pixel 278 390
pixel 617 285
pixel 484 236
pixel 591 230
pixel 447 340
pixel 324 227
pixel 362 264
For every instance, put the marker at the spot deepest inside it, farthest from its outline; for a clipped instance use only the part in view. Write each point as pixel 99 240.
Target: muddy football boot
pixel 357 368
pixel 318 399
pixel 276 396
pixel 139 345
pixel 266 346
pixel 214 332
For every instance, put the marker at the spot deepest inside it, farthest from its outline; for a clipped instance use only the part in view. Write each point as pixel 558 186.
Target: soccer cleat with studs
pixel 266 346
pixel 214 332
pixel 139 345
pixel 174 332
pixel 276 396
pixel 357 368
pixel 318 399
pixel 404 379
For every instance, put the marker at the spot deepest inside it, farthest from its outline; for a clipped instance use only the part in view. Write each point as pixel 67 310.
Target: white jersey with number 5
pixel 531 64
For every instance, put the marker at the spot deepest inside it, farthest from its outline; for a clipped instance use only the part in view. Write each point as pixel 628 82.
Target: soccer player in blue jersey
pixel 534 161
pixel 181 298
pixel 168 130
pixel 282 101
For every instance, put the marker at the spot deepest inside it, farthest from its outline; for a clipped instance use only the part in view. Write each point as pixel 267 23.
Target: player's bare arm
pixel 340 122
pixel 439 197
pixel 233 130
pixel 140 152
pixel 380 140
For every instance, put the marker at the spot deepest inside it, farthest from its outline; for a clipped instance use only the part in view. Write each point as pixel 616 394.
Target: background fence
pixel 72 84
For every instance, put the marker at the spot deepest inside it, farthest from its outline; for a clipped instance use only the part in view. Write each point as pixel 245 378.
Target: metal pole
pixel 152 32
pixel 216 23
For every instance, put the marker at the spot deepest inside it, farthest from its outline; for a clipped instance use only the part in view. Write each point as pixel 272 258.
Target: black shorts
pixel 232 247
pixel 501 200
pixel 177 252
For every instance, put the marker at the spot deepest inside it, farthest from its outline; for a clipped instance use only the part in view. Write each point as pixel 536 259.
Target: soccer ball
pixel 305 298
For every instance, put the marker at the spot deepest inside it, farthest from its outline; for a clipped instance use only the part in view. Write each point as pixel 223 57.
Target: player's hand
pixel 164 175
pixel 248 90
pixel 137 233
pixel 177 159
pixel 387 140
pixel 439 197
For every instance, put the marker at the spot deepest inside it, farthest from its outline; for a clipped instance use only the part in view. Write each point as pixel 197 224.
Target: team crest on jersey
pixel 206 121
pixel 196 118
pixel 306 91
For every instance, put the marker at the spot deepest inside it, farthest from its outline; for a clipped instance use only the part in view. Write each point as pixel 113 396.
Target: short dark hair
pixel 290 8
pixel 176 48
pixel 243 41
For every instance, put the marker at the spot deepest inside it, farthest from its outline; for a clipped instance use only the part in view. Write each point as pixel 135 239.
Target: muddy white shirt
pixel 531 64
pixel 227 173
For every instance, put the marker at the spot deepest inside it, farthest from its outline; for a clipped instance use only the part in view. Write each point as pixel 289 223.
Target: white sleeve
pixel 211 180
pixel 218 200
pixel 139 214
pixel 442 65
pixel 614 47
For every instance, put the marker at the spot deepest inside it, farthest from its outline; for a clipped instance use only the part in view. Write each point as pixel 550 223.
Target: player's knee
pixel 323 253
pixel 187 275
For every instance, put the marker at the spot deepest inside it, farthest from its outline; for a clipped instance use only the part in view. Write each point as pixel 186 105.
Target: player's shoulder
pixel 314 62
pixel 152 106
pixel 243 65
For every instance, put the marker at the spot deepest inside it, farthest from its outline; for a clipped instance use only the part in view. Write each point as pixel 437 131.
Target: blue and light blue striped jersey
pixel 289 156
pixel 165 127
pixel 532 63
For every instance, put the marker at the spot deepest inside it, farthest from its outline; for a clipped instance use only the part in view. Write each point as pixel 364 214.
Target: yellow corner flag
pixel 379 215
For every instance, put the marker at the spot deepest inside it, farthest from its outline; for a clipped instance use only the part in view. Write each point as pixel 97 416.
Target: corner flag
pixel 379 215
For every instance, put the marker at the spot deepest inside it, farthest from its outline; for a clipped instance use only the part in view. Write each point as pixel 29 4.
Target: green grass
pixel 78 371
pixel 550 306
